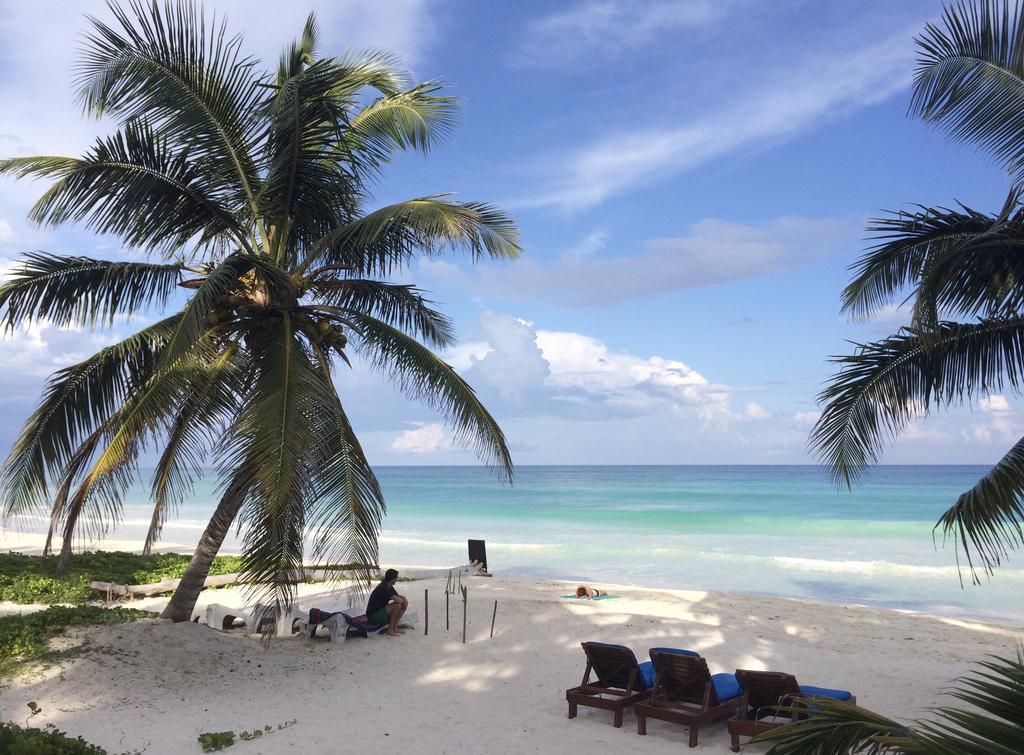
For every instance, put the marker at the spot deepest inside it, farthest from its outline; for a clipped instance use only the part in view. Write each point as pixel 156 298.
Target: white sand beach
pixel 152 686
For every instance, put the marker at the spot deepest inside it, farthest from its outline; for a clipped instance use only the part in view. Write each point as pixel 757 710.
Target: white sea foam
pixel 870 568
pixel 491 544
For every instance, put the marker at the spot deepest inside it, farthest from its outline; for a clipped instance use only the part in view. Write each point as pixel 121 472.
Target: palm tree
pixel 965 276
pixel 991 726
pixel 250 191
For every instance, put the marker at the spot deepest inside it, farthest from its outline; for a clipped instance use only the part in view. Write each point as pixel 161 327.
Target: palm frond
pixel 300 53
pixel 884 384
pixel 77 400
pixel 423 376
pixel 347 502
pixel 402 306
pixel 81 291
pixel 303 194
pixel 69 475
pixel 135 185
pixel 970 78
pixel 415 118
pixel 203 413
pixel 276 432
pixel 834 727
pixel 986 519
pixel 382 240
pixel 185 78
pixel 99 497
pixel 956 262
pixel 194 318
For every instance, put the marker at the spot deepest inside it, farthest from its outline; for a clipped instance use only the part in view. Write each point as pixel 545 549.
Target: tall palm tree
pixel 965 277
pixel 248 191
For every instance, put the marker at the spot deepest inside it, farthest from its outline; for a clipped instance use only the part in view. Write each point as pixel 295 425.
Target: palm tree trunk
pixel 183 601
pixel 69 537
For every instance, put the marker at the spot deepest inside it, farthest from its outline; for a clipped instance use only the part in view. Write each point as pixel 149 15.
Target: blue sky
pixel 691 180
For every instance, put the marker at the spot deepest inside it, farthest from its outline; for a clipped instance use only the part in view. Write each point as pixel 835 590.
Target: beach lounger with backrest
pixel 686 692
pixel 763 692
pixel 342 624
pixel 620 681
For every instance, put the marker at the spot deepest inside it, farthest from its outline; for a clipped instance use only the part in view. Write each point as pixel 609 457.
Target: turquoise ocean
pixel 771 530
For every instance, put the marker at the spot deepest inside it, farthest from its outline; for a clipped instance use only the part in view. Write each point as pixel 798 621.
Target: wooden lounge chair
pixel 763 692
pixel 621 682
pixel 685 692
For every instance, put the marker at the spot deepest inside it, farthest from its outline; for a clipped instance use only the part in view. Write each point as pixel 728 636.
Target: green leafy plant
pixel 23 637
pixel 220 739
pixel 48 741
pixel 250 194
pixel 29 579
pixel 216 740
pixel 992 725
pixel 964 275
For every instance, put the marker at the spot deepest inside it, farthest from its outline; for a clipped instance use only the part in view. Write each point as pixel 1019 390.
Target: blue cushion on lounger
pixel 646 675
pixel 727 686
pixel 835 694
pixel 677 651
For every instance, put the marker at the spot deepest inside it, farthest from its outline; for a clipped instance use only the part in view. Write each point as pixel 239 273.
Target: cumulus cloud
pixel 1001 425
pixel 712 252
pixel 783 103
pixel 523 371
pixel 994 404
pixel 7 234
pixel 755 411
pixel 423 439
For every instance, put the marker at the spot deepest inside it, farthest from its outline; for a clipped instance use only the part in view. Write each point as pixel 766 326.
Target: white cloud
pixel 713 252
pixel 512 364
pixel 7 234
pixel 805 420
pixel 525 372
pixel 803 95
pixel 589 245
pixel 755 411
pixel 588 32
pixel 1002 423
pixel 424 439
pixel 996 403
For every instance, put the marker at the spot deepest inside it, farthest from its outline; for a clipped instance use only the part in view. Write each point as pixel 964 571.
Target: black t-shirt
pixel 380 597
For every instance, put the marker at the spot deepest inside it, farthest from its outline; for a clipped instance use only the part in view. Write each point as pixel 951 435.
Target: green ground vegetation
pixel 49 741
pixel 29 579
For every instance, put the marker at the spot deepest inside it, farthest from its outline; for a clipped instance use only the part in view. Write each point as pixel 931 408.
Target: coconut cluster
pixel 323 332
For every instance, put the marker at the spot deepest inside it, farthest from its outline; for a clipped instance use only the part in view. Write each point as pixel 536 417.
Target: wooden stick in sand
pixel 426 612
pixel 493 617
pixel 465 602
pixel 447 623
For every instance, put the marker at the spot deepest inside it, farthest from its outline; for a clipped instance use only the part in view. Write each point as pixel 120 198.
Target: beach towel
pixel 362 626
pixel 316 616
pixel 599 597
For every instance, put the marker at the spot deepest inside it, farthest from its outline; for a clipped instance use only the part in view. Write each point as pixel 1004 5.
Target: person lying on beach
pixel 588 592
pixel 385 605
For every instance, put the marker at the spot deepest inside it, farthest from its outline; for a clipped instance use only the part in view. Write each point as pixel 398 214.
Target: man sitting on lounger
pixel 385 605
